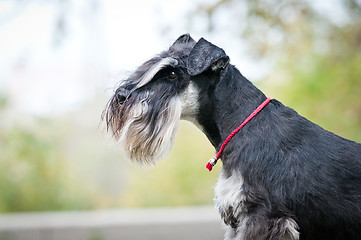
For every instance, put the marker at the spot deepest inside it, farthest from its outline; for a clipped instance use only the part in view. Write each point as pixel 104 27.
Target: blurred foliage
pixel 325 90
pixel 34 175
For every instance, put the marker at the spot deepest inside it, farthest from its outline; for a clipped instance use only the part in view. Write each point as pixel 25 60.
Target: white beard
pixel 145 146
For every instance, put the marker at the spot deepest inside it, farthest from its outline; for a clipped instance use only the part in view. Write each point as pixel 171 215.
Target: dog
pixel 283 177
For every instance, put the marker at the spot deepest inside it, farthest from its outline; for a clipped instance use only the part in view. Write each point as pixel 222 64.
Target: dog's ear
pixel 185 38
pixel 205 55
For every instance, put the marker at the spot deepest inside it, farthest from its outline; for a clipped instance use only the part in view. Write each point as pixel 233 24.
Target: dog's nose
pixel 122 95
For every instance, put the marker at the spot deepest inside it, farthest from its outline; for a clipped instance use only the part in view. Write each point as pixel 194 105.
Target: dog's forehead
pixel 176 56
pixel 146 72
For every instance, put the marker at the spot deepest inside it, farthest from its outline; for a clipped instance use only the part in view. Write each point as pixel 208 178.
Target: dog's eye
pixel 172 75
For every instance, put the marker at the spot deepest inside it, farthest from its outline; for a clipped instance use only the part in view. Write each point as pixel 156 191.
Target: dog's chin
pixel 146 141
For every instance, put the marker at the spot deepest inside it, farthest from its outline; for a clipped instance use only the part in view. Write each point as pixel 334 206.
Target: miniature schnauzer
pixel 283 177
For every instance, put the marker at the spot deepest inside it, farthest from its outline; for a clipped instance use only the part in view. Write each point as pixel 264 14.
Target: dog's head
pixel 144 112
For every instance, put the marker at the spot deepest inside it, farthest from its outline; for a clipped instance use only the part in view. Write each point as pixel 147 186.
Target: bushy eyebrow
pixel 148 76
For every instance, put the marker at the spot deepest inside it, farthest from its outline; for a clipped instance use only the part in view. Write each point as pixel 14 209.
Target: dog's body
pixel 283 176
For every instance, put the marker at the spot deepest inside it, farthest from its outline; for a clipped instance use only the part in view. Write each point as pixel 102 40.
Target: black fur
pixel 291 167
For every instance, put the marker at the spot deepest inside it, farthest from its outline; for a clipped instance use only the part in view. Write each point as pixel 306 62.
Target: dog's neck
pixel 233 100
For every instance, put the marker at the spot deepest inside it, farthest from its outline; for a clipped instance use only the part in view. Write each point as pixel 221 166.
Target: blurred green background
pixel 55 154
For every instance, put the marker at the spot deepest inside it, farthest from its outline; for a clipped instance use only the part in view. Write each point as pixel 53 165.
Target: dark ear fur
pixel 185 38
pixel 205 55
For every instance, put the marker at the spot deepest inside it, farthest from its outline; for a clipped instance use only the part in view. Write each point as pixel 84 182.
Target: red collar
pixel 214 160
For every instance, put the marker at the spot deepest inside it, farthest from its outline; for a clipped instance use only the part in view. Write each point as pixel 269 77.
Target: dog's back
pixel 293 169
pixel 318 175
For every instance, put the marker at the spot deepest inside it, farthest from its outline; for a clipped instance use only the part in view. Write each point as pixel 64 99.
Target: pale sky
pixel 98 47
pixel 43 77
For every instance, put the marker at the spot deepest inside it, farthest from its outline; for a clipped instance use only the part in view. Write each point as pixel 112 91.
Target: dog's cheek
pixel 190 104
pixel 182 82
